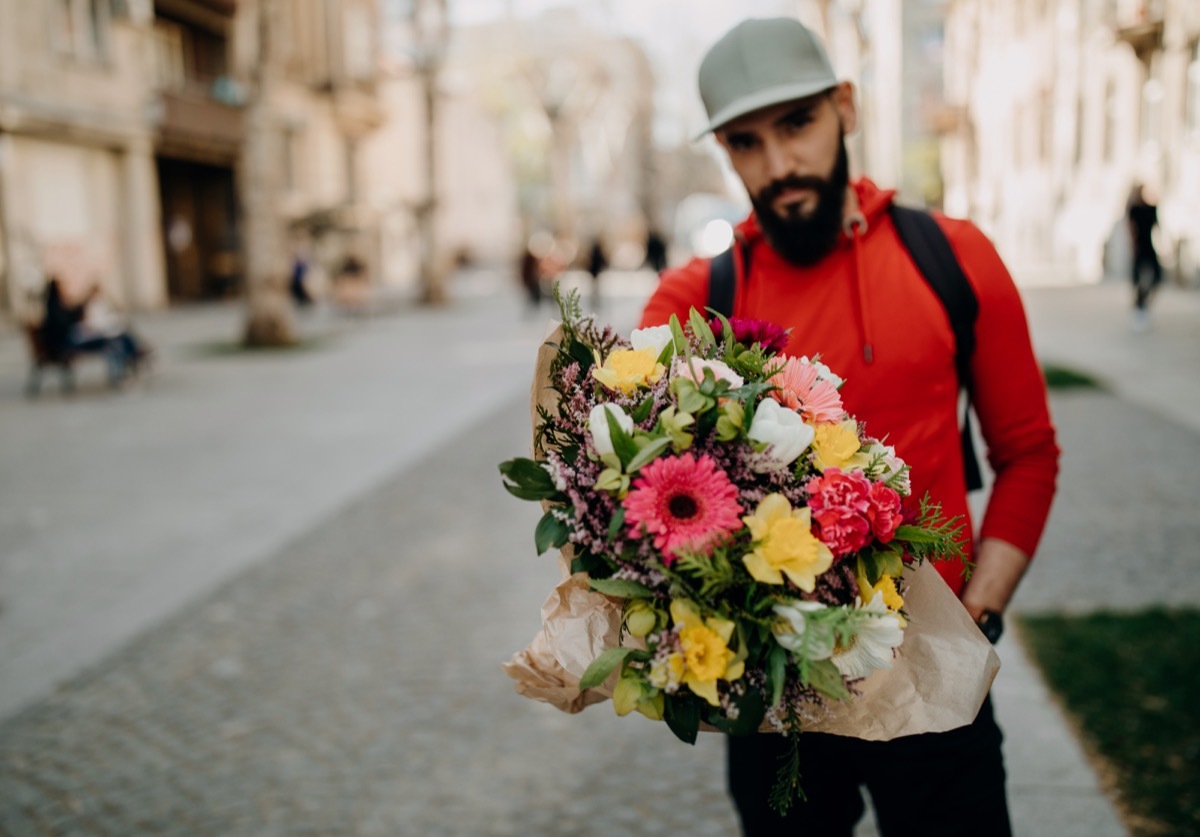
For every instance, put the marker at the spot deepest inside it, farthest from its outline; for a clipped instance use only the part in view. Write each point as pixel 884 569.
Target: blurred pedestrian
pixel 597 264
pixel 656 251
pixel 834 261
pixel 531 277
pixel 1145 271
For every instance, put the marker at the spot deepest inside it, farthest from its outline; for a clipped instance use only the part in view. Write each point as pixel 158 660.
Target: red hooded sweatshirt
pixel 875 321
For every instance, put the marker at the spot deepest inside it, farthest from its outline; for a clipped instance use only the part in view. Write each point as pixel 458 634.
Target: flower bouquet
pixel 739 550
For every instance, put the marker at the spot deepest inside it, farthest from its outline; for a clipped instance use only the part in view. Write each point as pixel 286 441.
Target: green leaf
pixel 527 479
pixel 777 672
pixel 592 565
pixel 701 329
pixel 648 453
pixel 677 335
pixel 642 411
pixel 824 676
pixel 617 523
pixel 682 714
pixel 621 587
pixel 915 534
pixel 890 562
pixel 550 532
pixel 603 666
pixel 622 442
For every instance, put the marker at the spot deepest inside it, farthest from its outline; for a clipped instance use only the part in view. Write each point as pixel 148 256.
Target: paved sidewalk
pixel 260 630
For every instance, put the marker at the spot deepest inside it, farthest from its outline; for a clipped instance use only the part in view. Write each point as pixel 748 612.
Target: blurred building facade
pixel 1058 107
pixel 571 112
pixel 122 131
pixel 893 51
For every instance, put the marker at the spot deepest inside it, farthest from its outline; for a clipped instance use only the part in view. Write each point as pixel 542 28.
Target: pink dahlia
pixel 841 505
pixel 684 502
pixel 884 512
pixel 801 390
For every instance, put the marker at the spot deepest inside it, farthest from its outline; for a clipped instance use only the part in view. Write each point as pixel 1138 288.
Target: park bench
pixel 42 359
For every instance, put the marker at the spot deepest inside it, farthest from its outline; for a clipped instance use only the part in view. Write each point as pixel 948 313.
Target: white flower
pixel 892 465
pixel 877 633
pixel 598 425
pixel 806 637
pixel 784 432
pixel 694 371
pixel 656 338
pixel 824 373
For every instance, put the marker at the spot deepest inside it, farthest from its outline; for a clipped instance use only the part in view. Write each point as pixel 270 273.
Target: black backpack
pixel 935 260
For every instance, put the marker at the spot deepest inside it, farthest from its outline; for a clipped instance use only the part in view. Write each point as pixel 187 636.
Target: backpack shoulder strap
pixel 934 258
pixel 722 278
pixel 931 252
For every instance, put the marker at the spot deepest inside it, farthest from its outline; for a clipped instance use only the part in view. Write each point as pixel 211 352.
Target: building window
pixel 81 28
pixel 187 56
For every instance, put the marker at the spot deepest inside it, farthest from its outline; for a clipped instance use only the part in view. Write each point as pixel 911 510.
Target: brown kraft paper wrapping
pixel 938 680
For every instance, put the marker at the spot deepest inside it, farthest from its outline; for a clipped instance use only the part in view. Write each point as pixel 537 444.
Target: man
pixel 825 260
pixel 1142 216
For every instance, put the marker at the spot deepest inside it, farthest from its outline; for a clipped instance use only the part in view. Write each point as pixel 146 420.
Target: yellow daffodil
pixel 886 587
pixel 627 369
pixel 667 672
pixel 837 446
pixel 784 544
pixel 706 652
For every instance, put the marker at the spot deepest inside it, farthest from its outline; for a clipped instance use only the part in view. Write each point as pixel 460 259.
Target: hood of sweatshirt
pixel 873 203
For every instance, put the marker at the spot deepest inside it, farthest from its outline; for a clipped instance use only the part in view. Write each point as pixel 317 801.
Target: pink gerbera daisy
pixel 684 502
pixel 800 389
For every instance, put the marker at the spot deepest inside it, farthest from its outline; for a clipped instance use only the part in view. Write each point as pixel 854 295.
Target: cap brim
pixel 764 99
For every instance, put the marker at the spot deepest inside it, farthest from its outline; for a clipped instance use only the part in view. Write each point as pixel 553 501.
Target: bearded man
pixel 821 255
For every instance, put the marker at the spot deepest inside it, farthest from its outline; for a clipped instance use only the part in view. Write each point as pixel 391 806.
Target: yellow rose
pixel 836 446
pixel 706 654
pixel 627 369
pixel 784 544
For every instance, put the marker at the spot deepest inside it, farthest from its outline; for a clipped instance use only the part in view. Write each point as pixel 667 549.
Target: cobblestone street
pixel 351 686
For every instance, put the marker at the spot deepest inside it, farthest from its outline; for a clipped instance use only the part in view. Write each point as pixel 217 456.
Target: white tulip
pixel 824 373
pixel 598 425
pixel 656 338
pixel 783 431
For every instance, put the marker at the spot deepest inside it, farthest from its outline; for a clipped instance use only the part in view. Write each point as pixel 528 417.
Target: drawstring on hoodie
pixel 855 228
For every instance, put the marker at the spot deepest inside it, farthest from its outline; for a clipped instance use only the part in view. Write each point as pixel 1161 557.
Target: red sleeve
pixel 679 290
pixel 1009 397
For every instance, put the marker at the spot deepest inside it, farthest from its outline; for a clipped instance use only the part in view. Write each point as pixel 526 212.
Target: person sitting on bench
pixel 69 329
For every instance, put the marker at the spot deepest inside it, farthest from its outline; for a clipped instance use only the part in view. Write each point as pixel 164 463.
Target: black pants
pixel 934 785
pixel 1147 274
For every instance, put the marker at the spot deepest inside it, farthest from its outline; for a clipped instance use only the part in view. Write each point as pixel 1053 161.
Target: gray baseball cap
pixel 762 62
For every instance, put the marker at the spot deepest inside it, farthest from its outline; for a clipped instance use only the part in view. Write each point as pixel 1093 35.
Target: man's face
pixel 792 159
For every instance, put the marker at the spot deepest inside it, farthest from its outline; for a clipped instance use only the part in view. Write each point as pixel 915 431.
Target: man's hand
pixel 998 568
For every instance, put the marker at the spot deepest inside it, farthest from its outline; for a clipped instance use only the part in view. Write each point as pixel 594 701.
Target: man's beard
pixel 800 240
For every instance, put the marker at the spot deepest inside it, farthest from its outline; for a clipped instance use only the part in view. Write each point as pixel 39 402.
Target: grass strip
pixel 1132 683
pixel 1062 377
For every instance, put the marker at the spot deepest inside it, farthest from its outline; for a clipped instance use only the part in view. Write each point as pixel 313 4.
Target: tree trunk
pixel 269 313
